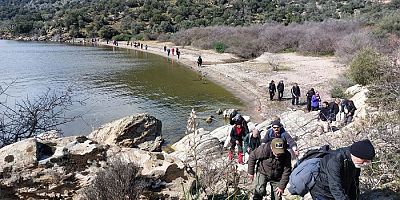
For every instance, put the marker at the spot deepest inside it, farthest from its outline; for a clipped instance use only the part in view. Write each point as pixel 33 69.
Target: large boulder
pixel 131 132
pixel 20 155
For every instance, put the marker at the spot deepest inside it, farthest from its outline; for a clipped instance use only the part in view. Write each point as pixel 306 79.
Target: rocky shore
pixel 52 167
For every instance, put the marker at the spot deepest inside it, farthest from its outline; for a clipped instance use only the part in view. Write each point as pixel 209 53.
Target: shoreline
pixel 248 80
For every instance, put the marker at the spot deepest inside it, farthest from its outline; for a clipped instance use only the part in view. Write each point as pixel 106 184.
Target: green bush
pixel 364 68
pixel 219 47
pixel 122 37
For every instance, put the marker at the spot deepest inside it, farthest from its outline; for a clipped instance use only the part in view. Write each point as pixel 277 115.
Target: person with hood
pixel 340 171
pixel 315 101
pixel 273 166
pixel 309 95
pixel 281 88
pixel 272 90
pixel 237 135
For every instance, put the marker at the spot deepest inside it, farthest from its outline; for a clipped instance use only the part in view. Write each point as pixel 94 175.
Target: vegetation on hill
pixel 149 18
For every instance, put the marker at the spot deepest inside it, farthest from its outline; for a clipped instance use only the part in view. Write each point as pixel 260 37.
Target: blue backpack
pixel 306 170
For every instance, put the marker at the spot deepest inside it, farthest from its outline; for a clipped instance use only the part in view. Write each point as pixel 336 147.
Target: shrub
pixel 364 68
pixel 390 23
pixel 119 181
pixel 219 47
pixel 349 45
pixel 122 37
pixel 340 85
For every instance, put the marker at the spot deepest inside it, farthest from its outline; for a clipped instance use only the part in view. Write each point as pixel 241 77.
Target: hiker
pixel 295 94
pixel 315 100
pixel 340 171
pixel 165 48
pixel 273 166
pixel 324 116
pixel 237 134
pixel 277 131
pixel 233 118
pixel 178 53
pixel 349 112
pixel 309 95
pixel 272 90
pixel 168 51
pixel 334 109
pixel 145 47
pixel 281 88
pixel 199 61
pixel 252 141
pixel 173 51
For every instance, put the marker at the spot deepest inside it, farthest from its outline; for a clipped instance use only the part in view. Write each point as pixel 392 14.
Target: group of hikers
pixel 172 51
pixel 326 174
pixel 328 110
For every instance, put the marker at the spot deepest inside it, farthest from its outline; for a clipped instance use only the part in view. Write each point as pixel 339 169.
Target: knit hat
pixel 278 146
pixel 363 149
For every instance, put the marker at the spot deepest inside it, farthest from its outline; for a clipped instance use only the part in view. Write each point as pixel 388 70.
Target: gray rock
pixel 129 131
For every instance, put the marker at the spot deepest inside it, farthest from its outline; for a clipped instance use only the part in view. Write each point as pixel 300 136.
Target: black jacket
pixel 272 87
pixel 324 114
pixel 338 177
pixel 281 87
pixel 310 93
pixel 296 91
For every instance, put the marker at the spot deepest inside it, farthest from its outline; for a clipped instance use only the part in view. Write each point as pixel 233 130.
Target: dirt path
pixel 249 80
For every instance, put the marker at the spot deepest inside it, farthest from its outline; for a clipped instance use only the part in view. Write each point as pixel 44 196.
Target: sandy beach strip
pixel 248 80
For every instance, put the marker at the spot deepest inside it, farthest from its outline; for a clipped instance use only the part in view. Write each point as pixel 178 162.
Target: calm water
pixel 113 83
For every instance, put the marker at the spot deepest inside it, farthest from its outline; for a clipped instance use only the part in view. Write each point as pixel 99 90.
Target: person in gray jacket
pixel 274 166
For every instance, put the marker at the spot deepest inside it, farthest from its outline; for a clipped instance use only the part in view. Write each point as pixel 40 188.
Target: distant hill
pixel 127 18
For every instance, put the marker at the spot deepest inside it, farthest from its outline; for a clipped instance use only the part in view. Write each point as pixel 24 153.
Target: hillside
pixel 149 18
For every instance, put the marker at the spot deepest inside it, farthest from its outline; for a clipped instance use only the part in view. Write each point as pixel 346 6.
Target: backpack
pixel 306 170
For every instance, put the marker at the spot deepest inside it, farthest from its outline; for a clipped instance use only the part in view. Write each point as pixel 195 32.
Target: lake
pixel 112 83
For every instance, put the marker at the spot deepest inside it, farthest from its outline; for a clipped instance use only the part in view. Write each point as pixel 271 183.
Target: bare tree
pixel 30 117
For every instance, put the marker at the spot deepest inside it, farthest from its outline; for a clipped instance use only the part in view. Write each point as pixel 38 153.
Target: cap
pixel 277 145
pixel 363 149
pixel 276 123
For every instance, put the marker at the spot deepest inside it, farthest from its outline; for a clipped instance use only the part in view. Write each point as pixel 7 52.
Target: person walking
pixel 309 95
pixel 351 109
pixel 272 90
pixel 273 166
pixel 199 61
pixel 252 141
pixel 168 52
pixel 340 171
pixel 281 88
pixel 295 94
pixel 334 109
pixel 178 53
pixel 278 131
pixel 324 116
pixel 237 134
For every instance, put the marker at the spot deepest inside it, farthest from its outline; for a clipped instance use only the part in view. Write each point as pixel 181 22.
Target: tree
pixel 30 117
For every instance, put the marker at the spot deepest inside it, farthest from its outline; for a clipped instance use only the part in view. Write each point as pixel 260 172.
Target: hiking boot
pixel 230 155
pixel 240 158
